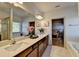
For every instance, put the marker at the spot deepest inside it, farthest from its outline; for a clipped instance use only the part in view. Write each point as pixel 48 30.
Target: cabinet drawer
pixel 24 53
pixel 33 53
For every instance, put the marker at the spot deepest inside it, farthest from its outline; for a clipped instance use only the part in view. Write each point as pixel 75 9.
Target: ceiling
pixel 5 9
pixel 35 7
pixel 18 12
pixel 48 6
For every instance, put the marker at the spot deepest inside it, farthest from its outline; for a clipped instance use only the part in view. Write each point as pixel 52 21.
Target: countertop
pixel 28 42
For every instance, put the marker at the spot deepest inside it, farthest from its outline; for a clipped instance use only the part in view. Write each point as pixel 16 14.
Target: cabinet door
pixel 33 53
pixel 41 49
pixel 45 44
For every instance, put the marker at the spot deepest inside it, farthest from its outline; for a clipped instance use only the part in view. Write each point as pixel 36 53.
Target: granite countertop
pixel 28 42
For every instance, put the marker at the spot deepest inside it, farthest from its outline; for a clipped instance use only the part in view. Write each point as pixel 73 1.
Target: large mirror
pixel 14 21
pixel 4 21
pixel 21 22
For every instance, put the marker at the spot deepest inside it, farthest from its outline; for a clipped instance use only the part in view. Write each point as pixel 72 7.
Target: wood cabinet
pixel 45 42
pixel 41 49
pixel 43 45
pixel 33 53
pixel 24 53
pixel 36 50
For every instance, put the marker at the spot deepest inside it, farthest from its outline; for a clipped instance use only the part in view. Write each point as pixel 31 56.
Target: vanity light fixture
pixel 20 2
pixel 39 17
pixel 16 3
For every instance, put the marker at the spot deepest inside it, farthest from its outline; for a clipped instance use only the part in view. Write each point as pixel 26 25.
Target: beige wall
pixel 70 16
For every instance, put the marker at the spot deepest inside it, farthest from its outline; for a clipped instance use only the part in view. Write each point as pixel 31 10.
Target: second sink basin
pixel 14 47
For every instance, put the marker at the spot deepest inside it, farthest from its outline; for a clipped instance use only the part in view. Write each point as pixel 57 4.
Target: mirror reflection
pixel 21 22
pixel 16 23
pixel 4 21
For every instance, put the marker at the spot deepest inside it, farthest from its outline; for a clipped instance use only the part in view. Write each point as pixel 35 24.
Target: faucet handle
pixel 13 41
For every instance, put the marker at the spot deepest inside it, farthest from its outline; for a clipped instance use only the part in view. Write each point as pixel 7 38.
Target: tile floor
pixel 55 51
pixel 57 41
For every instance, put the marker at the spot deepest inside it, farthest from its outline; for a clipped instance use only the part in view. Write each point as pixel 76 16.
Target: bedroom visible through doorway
pixel 58 32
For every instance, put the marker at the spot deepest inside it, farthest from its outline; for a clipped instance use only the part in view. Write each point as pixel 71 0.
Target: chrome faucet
pixel 13 41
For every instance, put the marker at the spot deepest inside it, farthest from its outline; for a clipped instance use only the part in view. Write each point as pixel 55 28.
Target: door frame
pixel 63 25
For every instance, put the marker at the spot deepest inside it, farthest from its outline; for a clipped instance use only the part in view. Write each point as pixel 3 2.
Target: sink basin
pixel 14 47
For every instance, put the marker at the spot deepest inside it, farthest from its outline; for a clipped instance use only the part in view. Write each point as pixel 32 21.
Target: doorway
pixel 58 32
pixel 32 23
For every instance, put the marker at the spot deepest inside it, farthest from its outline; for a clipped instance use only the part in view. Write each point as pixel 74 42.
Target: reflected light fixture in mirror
pixel 38 17
pixel 16 3
pixel 20 2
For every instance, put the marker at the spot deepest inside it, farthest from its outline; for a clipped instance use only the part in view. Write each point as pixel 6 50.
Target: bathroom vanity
pixel 26 48
pixel 36 49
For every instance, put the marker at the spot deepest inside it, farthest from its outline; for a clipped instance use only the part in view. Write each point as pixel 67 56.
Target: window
pixel 25 27
pixel 16 27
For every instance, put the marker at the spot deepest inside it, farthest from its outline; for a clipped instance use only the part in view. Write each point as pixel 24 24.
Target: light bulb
pixel 20 2
pixel 15 4
pixel 39 17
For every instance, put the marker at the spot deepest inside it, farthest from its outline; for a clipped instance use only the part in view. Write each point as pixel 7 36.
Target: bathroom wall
pixel 71 22
pixel 41 24
pixel 70 15
pixel 72 30
pixel 3 14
